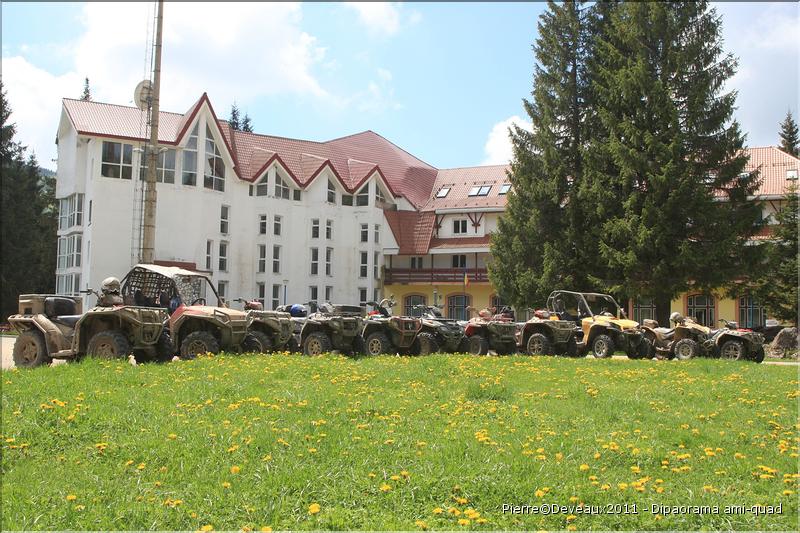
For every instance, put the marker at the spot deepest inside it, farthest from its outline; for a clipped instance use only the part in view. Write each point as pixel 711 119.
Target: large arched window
pixel 751 313
pixel 410 301
pixel 700 307
pixel 457 306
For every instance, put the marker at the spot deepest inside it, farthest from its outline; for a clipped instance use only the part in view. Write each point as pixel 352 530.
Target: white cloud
pixel 242 52
pixel 383 18
pixel 498 144
pixel 378 96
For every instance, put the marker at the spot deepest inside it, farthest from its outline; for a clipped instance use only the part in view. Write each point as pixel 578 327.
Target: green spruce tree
pixel 669 174
pixel 87 94
pixel 247 125
pixel 234 120
pixel 790 142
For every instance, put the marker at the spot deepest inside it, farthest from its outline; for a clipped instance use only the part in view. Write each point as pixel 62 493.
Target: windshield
pixel 601 303
pixel 576 305
pixel 191 288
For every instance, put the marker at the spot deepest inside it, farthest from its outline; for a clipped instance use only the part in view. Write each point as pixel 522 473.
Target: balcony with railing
pixel 434 275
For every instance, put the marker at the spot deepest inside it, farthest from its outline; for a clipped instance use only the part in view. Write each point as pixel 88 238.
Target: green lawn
pixel 439 442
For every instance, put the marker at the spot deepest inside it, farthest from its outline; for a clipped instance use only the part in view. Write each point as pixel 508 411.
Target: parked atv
pixel 603 326
pixel 682 341
pixel 439 333
pixel 267 330
pixel 195 326
pixel 733 342
pixel 298 315
pixel 497 332
pixel 384 333
pixel 53 326
pixel 546 334
pixel 332 327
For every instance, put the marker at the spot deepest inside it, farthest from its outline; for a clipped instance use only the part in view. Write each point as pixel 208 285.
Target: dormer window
pixel 362 196
pixel 214 175
pixel 379 198
pixel 443 192
pixel 791 174
pixel 190 159
pixel 281 189
pixel 261 188
pixel 331 192
pixel 504 188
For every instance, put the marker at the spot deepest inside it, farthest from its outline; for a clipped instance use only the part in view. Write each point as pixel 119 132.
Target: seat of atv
pixel 665 332
pixel 66 320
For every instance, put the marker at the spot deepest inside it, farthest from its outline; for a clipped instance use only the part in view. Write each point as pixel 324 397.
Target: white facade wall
pixel 189 216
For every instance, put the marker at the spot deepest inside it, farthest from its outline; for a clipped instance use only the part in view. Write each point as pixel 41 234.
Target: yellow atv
pixel 603 326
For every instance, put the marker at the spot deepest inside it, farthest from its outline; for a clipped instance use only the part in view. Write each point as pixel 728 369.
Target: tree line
pixel 632 180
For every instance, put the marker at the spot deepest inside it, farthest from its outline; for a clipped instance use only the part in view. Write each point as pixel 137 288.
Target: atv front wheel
pixel 199 342
pixel 317 343
pixel 426 344
pixel 478 345
pixel 732 349
pixel 758 355
pixel 463 345
pixel 378 343
pixel 538 344
pixel 257 342
pixel 686 349
pixel 602 346
pixel 109 344
pixel 30 350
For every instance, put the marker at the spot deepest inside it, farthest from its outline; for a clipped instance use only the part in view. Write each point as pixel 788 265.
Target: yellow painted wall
pixel 480 293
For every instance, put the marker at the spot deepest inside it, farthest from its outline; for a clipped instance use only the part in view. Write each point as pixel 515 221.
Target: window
pixel 222 289
pixel 223 256
pixel 276 296
pixel 262 258
pixel 297 195
pixel 375 260
pixel 460 261
pixel 77 241
pixel 484 190
pixel 701 308
pixel 347 199
pixel 331 192
pixel 504 188
pixel 68 284
pixel 362 296
pixel 276 259
pixel 751 313
pixel 791 174
pixel 362 272
pixel 442 192
pixel 261 291
pixel 377 233
pixel 362 196
pixel 70 211
pixel 497 302
pixel 328 293
pixel 416 262
pixel 165 167
pixel 281 189
pixel 644 309
pixel 276 225
pixel 328 261
pixel 189 176
pixel 457 306
pixel 314 261
pixel 315 228
pixel 223 219
pixel 329 229
pixel 474 191
pixel 261 188
pixel 410 301
pixel 90 212
pixel 262 224
pixel 364 232
pixel 379 198
pixel 68 254
pixel 117 160
pixel 459 227
pixel 313 293
pixel 214 177
pixel 209 253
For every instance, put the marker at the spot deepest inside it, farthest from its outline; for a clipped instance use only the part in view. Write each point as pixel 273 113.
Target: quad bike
pixel 332 327
pixel 683 341
pixel 195 326
pixel 267 330
pixel 439 333
pixel 733 342
pixel 53 326
pixel 497 332
pixel 603 327
pixel 384 333
pixel 546 334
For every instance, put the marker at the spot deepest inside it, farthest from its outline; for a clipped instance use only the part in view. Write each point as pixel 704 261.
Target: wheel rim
pixel 375 346
pixel 105 350
pixel 29 352
pixel 600 348
pixel 535 346
pixel 314 347
pixel 196 347
pixel 685 351
pixel 732 351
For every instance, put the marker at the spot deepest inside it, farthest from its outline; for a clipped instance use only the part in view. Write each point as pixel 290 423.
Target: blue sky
pixel 442 80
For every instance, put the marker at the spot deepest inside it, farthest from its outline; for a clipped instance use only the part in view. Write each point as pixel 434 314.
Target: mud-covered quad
pixel 332 327
pixel 384 333
pixel 267 330
pixel 733 342
pixel 438 333
pixel 546 334
pixel 487 331
pixel 603 326
pixel 52 326
pixel 195 326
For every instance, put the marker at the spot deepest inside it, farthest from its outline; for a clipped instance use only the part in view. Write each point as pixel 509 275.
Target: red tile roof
pixel 412 230
pixel 461 180
pixel 772 164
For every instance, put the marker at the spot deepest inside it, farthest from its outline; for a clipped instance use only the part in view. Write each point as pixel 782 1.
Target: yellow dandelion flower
pixel 788 492
pixel 463 522
pixel 438 510
pixel 79 507
pixel 461 501
pixel 597 455
pixel 605 486
pixel 635 469
pixel 659 489
pixel 233 448
pixel 314 508
pixel 453 511
pixel 140 466
pixel 622 486
pixel 559 456
pixel 207 527
pixel 571 517
pixel 571 527
pixel 395 478
pixel 540 493
pixel 371 474
pixel 71 497
pixel 584 467
pixel 172 436
pixel 266 529
pixel 573 499
pixel 472 514
pixel 226 485
pixel 405 474
pixel 235 469
pixel 421 524
pixel 385 488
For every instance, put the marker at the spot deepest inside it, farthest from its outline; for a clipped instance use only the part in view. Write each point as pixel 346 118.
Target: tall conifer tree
pixel 790 142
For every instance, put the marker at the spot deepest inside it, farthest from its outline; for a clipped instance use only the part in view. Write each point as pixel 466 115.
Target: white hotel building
pixel 279 219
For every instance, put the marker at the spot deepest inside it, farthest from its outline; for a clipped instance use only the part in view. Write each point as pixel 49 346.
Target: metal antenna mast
pixel 149 233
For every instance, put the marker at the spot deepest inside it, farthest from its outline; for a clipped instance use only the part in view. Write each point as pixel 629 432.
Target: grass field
pixel 438 442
